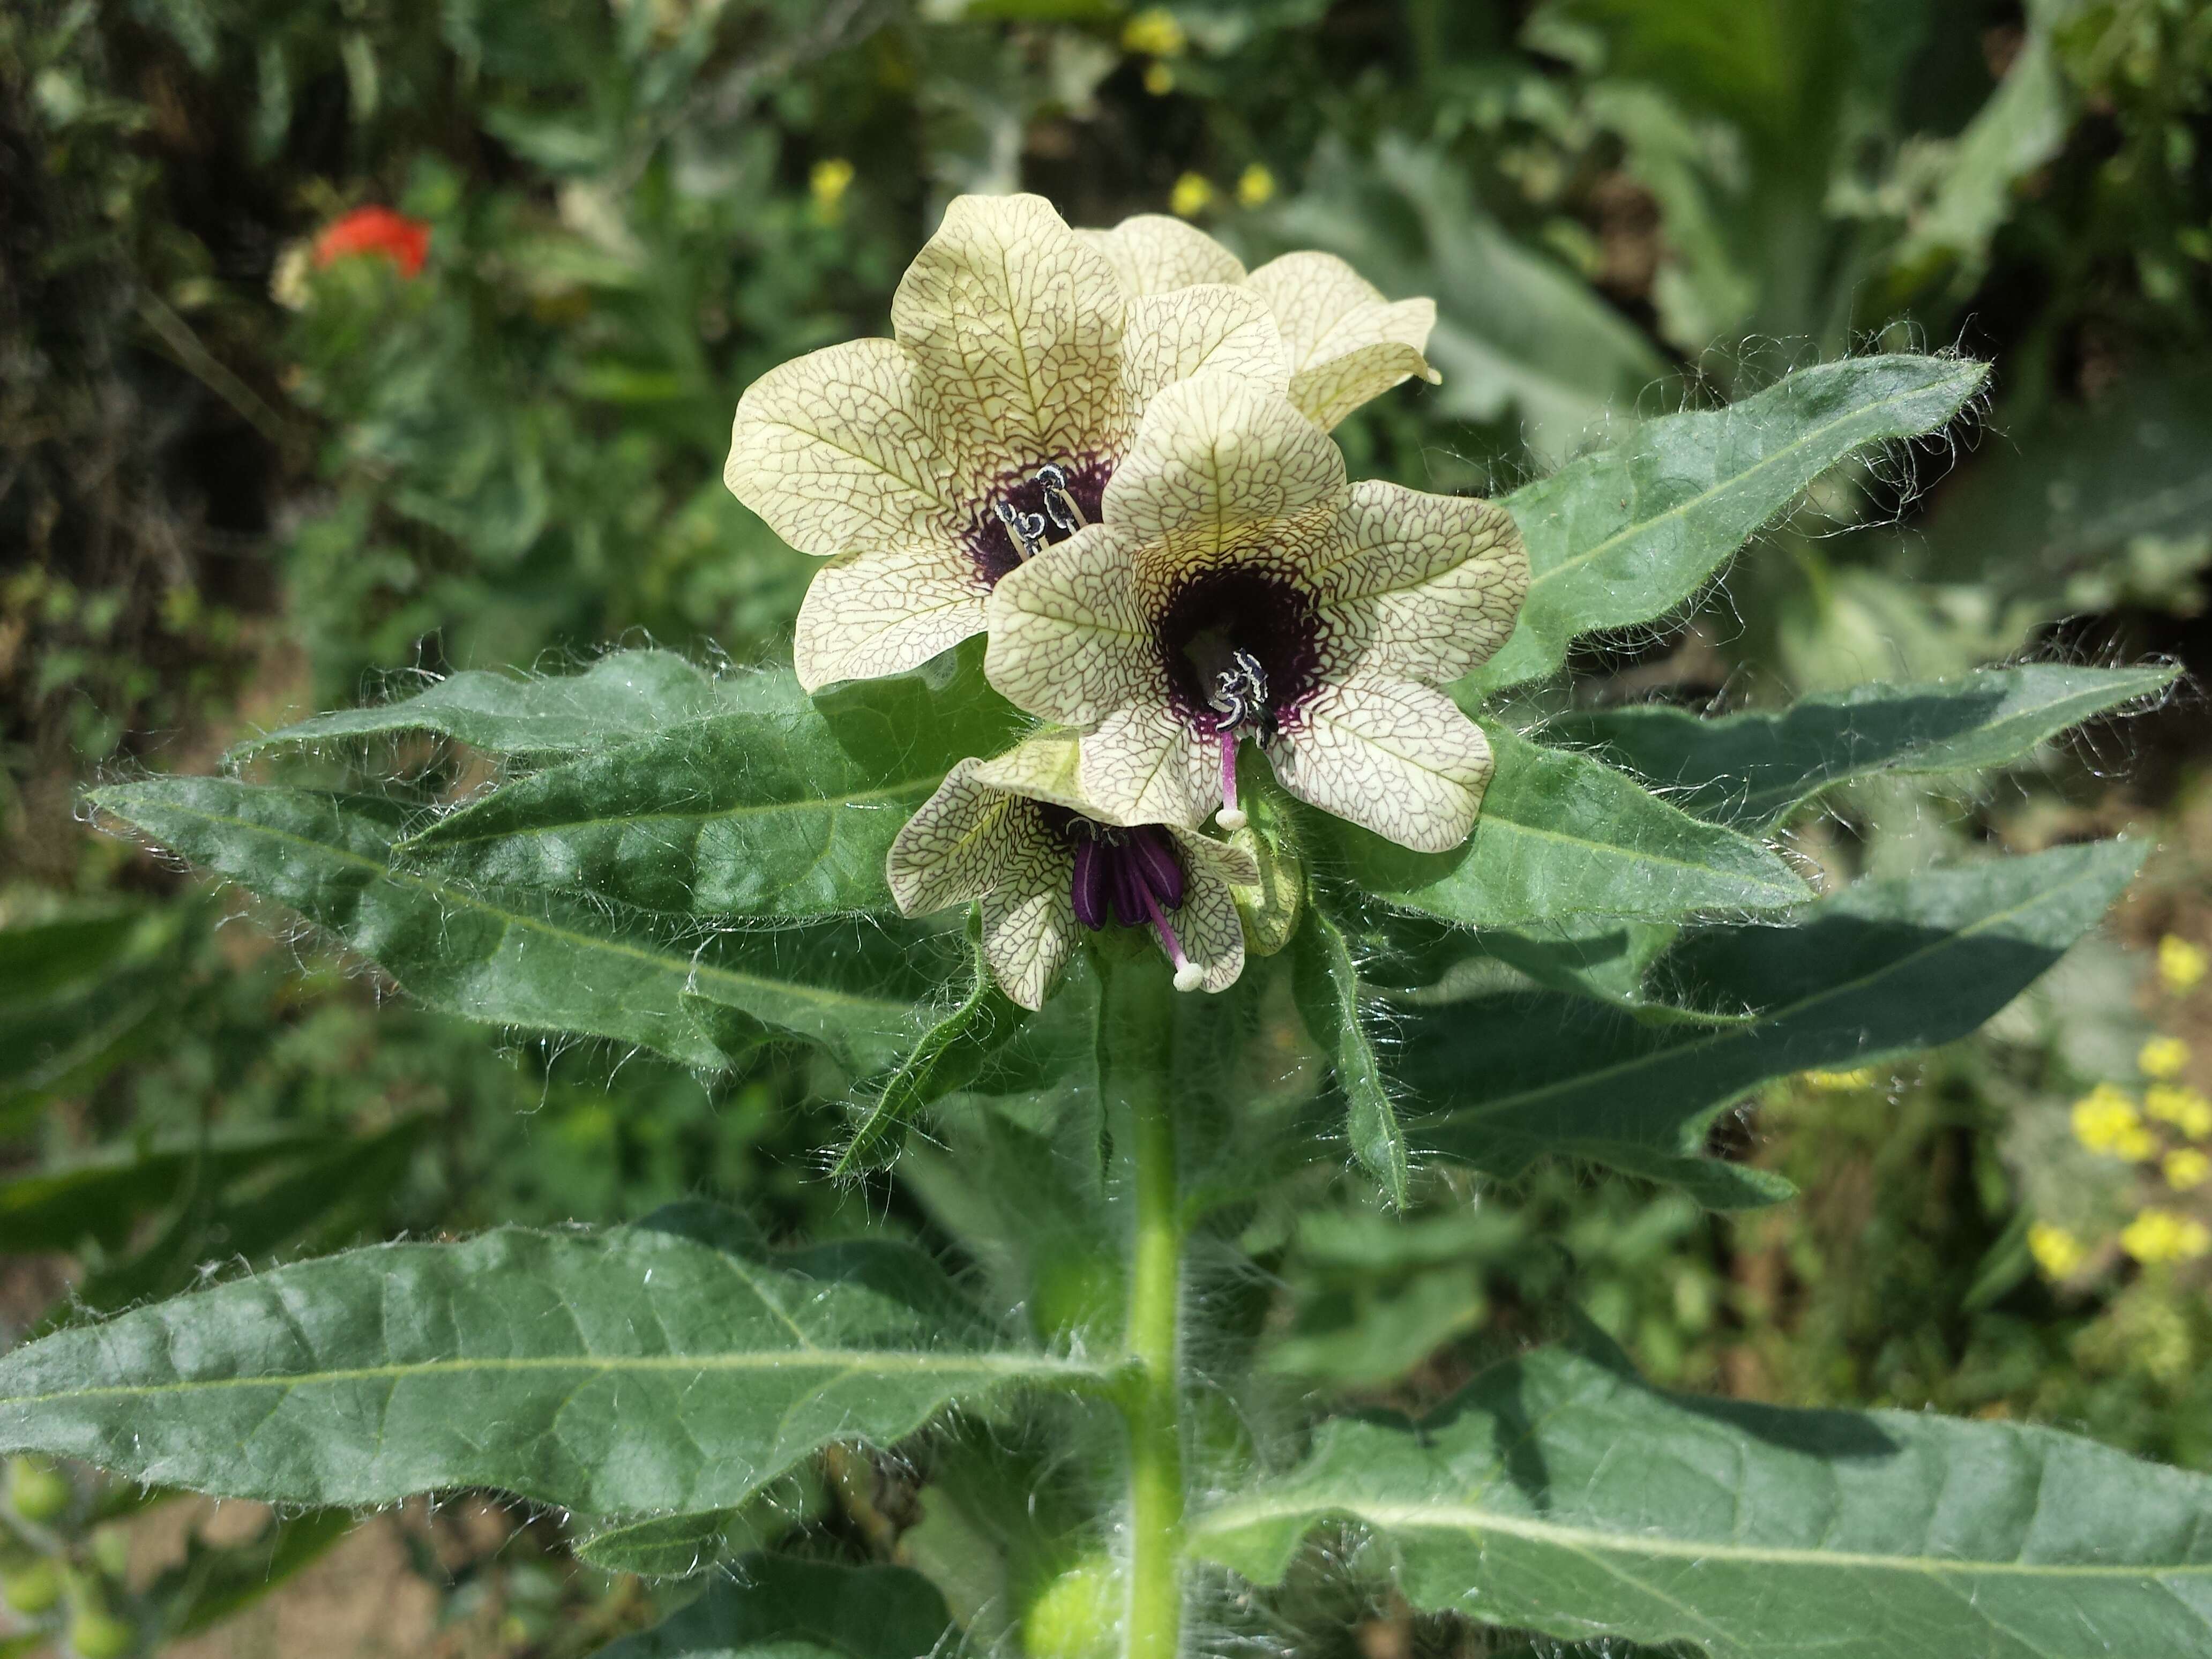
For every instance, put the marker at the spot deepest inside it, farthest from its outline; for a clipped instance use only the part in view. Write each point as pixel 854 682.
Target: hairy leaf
pixel 1557 1494
pixel 781 1608
pixel 1881 968
pixel 1749 770
pixel 624 694
pixel 782 814
pixel 1625 535
pixel 672 1366
pixel 948 1057
pixel 1564 835
pixel 542 961
pixel 1326 982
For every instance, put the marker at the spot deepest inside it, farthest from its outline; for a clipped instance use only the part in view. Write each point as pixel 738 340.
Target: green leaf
pixel 1626 535
pixel 625 694
pixel 782 814
pixel 1556 1494
pixel 1882 969
pixel 542 961
pixel 1564 835
pixel 1325 982
pixel 329 1197
pixel 1517 332
pixel 1750 771
pixel 781 1608
pixel 672 1365
pixel 950 1056
pixel 104 1197
pixel 77 993
pixel 2093 508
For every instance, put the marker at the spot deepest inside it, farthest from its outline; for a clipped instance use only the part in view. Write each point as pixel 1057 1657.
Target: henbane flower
pixel 1239 588
pixel 1346 343
pixel 1018 834
pixel 929 465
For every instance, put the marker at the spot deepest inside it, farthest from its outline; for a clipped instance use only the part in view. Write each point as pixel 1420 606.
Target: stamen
pixel 1231 816
pixel 1189 975
pixel 1025 529
pixel 1059 500
pixel 1240 697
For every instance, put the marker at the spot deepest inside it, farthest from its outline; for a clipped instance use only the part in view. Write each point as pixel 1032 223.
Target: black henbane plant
pixel 1283 746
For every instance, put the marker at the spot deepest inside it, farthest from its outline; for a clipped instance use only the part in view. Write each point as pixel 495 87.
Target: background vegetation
pixel 237 484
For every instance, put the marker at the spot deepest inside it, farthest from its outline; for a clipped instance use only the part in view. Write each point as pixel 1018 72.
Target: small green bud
pixel 111 1548
pixel 96 1634
pixel 32 1590
pixel 39 1491
pixel 1079 1614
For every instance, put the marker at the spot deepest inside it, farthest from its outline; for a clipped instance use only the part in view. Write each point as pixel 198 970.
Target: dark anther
pixel 1059 500
pixel 1025 529
pixel 1240 694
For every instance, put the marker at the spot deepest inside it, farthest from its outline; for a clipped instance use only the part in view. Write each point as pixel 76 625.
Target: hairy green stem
pixel 1136 1064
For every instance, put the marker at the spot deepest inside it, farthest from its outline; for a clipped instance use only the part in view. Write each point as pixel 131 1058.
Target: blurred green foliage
pixel 235 485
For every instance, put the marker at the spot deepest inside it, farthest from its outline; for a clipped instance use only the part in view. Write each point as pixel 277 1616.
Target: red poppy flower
pixel 404 241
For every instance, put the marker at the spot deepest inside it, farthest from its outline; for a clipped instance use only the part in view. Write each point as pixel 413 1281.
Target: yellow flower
pixel 2181 1106
pixel 2181 965
pixel 2158 1235
pixel 2105 1120
pixel 1833 1083
pixel 828 182
pixel 1255 187
pixel 1155 31
pixel 2057 1251
pixel 2163 1057
pixel 1159 79
pixel 1191 196
pixel 2185 1167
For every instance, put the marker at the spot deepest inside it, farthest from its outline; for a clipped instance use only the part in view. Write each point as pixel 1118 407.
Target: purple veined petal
pixel 1154 855
pixel 1130 908
pixel 1088 893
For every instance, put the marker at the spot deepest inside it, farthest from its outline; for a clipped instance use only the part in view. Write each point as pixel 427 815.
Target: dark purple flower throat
pixel 1133 875
pixel 1031 511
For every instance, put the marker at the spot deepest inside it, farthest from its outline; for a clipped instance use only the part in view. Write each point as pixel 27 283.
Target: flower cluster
pixel 2164 1132
pixel 1109 450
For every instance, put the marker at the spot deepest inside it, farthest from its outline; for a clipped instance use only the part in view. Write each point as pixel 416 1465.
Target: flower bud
pixel 39 1491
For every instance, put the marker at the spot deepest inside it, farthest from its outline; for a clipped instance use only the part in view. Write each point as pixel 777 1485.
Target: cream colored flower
pixel 1019 835
pixel 928 466
pixel 1240 587
pixel 1346 343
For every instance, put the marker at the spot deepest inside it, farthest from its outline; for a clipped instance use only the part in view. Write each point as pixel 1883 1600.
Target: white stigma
pixel 1231 818
pixel 1189 976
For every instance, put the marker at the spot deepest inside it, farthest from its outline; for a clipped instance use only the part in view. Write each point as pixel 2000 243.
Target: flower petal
pixel 876 613
pixel 1419 585
pixel 1028 932
pixel 1042 766
pixel 961 842
pixel 1171 337
pixel 1152 253
pixel 1346 342
pixel 1217 462
pixel 1207 927
pixel 1141 765
pixel 1391 756
pixel 1015 326
pixel 1069 640
pixel 831 451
